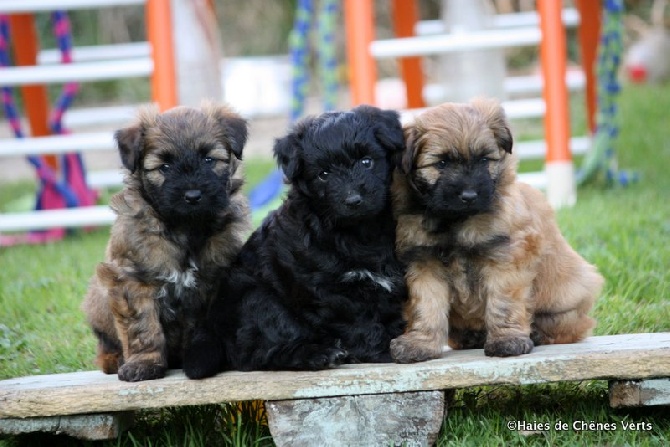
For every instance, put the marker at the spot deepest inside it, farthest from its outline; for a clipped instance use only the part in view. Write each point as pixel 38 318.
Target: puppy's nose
pixel 353 200
pixel 192 196
pixel 468 196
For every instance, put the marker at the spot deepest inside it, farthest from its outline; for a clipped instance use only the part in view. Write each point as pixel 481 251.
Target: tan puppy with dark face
pixel 181 220
pixel 487 264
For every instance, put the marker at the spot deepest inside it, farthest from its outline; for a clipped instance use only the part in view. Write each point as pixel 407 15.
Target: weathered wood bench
pixel 94 405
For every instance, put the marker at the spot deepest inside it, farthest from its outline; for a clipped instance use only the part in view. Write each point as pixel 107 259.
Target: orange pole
pixel 589 37
pixel 405 16
pixel 359 28
pixel 26 45
pixel 159 34
pixel 553 58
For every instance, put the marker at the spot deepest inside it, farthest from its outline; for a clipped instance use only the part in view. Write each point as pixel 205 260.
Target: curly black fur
pixel 318 283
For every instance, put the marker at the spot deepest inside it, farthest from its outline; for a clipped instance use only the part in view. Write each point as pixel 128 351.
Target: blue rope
pixel 601 160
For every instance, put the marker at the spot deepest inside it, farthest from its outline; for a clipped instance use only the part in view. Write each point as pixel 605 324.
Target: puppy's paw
pixel 203 358
pixel 410 348
pixel 319 357
pixel 508 346
pixel 137 371
pixel 466 338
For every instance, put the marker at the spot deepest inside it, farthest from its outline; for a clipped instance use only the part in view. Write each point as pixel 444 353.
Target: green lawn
pixel 625 231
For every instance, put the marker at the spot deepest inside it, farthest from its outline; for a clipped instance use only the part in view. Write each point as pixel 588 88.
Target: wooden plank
pixel 407 419
pixel 639 393
pixel 626 356
pixel 93 427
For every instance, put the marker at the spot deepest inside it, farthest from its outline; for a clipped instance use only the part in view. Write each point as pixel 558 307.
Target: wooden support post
pixel 589 37
pixel 26 46
pixel 91 427
pixel 639 393
pixel 159 33
pixel 359 25
pixel 405 16
pixel 561 189
pixel 410 419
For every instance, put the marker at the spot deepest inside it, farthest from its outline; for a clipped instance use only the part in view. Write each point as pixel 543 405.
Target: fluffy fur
pixel 181 220
pixel 318 283
pixel 487 264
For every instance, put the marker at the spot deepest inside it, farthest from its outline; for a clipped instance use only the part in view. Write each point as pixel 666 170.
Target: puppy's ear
pixel 387 128
pixel 408 159
pixel 288 149
pixel 130 141
pixel 108 274
pixel 495 116
pixel 233 127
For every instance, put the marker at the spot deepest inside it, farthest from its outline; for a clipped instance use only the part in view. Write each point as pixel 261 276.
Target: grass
pixel 623 230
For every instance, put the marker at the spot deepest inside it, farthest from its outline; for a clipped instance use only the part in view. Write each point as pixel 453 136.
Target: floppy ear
pixel 130 141
pixel 233 127
pixel 495 116
pixel 288 149
pixel 408 159
pixel 387 128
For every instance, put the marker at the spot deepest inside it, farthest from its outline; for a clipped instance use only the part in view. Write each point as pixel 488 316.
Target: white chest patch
pixel 362 275
pixel 185 279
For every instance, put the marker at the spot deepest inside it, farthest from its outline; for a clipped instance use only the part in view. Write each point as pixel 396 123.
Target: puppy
pixel 318 283
pixel 487 265
pixel 181 220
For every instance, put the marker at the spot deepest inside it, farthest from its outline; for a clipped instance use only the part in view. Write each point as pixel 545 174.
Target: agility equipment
pixel 264 194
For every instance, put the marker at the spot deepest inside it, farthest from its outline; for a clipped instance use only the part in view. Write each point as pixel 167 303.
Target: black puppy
pixel 318 284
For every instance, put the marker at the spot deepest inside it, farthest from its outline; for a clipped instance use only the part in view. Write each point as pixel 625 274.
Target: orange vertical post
pixel 359 28
pixel 159 34
pixel 589 37
pixel 25 41
pixel 405 16
pixel 553 58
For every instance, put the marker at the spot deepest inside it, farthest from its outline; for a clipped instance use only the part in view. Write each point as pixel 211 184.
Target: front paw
pixel 135 371
pixel 323 358
pixel 411 348
pixel 508 346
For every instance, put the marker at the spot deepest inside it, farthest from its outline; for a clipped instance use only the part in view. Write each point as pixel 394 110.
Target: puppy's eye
pixel 484 160
pixel 441 164
pixel 323 175
pixel 165 167
pixel 367 162
pixel 208 160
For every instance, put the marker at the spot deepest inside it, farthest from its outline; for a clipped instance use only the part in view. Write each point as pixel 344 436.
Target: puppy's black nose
pixel 468 196
pixel 353 200
pixel 192 196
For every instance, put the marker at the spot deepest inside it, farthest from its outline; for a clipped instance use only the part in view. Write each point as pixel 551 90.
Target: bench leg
pixel 93 427
pixel 639 393
pixel 410 419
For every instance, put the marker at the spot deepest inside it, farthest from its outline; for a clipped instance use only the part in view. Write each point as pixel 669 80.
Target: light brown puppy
pixel 181 220
pixel 487 264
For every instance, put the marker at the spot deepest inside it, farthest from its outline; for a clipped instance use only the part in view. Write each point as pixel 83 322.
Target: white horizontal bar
pixel 76 72
pixel 93 116
pixel 98 53
pixel 515 109
pixel 517 85
pixel 104 179
pixel 570 18
pixel 12 7
pixel 59 144
pixel 574 80
pixel 524 108
pixel 70 217
pixel 444 43
pixel 538 149
pixel 536 179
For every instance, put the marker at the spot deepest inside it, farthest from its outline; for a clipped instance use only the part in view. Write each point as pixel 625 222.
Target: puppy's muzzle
pixel 468 196
pixel 353 200
pixel 193 196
